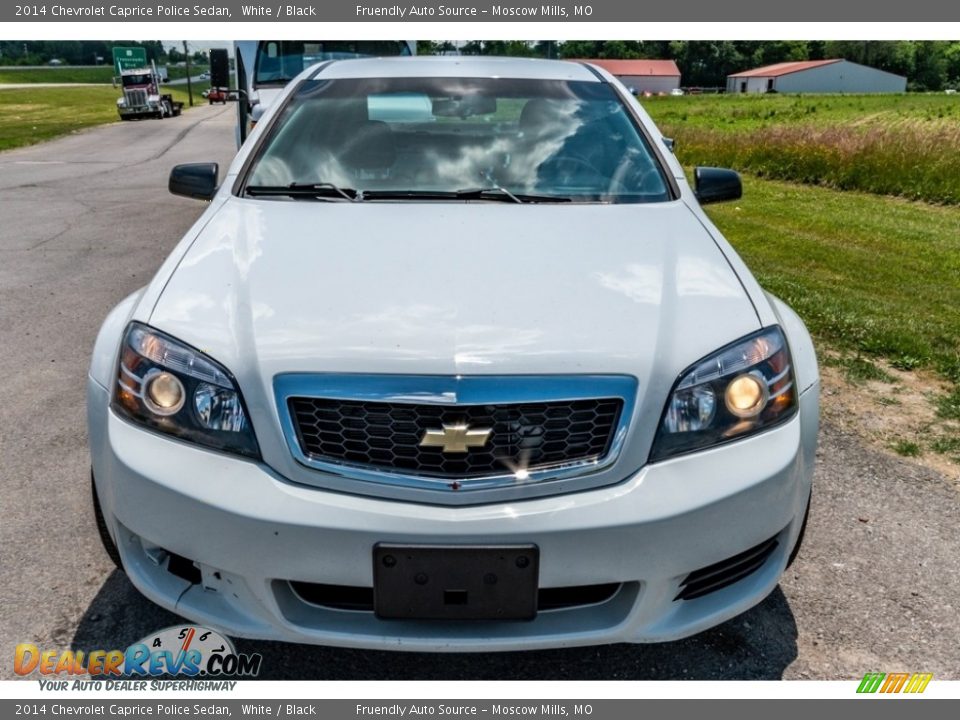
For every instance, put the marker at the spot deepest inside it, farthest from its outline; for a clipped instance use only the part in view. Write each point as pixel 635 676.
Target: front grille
pixel 350 597
pixel 136 98
pixel 726 572
pixel 387 435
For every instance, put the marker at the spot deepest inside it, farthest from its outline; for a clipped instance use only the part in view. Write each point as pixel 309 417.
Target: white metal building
pixel 642 76
pixel 816 76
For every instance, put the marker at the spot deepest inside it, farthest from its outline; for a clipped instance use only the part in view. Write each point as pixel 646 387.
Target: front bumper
pixel 138 111
pixel 251 531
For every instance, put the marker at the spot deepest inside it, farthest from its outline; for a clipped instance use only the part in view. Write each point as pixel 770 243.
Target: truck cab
pixel 265 67
pixel 141 95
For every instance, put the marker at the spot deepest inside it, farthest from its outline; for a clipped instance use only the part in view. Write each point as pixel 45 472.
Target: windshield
pixel 131 80
pixel 279 61
pixel 570 140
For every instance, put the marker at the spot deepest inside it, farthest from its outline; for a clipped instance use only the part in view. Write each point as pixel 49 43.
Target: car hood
pixel 273 286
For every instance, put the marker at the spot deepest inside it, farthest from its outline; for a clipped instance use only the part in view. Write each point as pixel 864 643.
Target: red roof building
pixel 784 68
pixel 642 76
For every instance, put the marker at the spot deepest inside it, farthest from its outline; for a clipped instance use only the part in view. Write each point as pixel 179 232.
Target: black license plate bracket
pixel 455 582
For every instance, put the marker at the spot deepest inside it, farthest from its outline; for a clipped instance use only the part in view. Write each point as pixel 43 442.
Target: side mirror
pixel 194 180
pixel 716 185
pixel 219 68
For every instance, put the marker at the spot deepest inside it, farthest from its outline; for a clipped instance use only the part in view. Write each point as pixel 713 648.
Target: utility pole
pixel 186 53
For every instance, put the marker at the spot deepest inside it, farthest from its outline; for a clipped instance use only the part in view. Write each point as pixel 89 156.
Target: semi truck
pixel 142 97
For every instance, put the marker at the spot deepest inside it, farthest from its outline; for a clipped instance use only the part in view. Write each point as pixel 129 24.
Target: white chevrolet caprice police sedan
pixel 453 361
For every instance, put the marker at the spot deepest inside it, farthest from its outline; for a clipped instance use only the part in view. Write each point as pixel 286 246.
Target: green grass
pixel 870 275
pixel 858 369
pixel 33 115
pixel 738 113
pixel 904 145
pixel 906 448
pixel 103 74
pixel 948 406
pixel 945 445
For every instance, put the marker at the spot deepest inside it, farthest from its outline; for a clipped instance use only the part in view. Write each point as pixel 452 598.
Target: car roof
pixel 458 66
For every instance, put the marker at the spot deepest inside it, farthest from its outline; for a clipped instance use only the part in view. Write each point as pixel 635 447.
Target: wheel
pixel 803 530
pixel 108 545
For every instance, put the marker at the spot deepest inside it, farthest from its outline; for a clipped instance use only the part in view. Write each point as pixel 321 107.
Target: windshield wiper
pixel 493 194
pixel 305 190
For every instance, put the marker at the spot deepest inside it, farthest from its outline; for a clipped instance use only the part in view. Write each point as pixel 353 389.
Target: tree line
pixel 927 65
pixel 85 52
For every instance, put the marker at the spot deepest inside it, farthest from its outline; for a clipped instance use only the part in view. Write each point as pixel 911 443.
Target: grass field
pixel 871 274
pixel 29 116
pixel 102 74
pixel 903 145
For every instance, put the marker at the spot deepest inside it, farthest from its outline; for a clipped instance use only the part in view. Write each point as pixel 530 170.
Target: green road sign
pixel 129 58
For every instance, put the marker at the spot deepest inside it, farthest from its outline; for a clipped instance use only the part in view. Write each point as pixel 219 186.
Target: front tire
pixel 109 546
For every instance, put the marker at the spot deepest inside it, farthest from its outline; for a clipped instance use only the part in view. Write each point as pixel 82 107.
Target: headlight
pixel 174 389
pixel 744 388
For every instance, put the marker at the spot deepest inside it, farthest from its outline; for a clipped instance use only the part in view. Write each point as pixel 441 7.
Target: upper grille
pixel 136 98
pixel 387 435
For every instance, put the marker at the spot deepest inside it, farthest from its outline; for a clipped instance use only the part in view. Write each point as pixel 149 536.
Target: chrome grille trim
pixel 455 390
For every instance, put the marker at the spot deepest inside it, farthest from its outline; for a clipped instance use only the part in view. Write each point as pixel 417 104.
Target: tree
pixel 707 63
pixel 930 65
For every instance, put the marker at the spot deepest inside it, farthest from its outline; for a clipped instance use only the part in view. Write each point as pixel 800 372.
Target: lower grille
pixel 349 597
pixel 387 436
pixel 726 572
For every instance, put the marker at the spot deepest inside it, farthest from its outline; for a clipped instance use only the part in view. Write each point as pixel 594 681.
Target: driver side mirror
pixel 716 185
pixel 194 180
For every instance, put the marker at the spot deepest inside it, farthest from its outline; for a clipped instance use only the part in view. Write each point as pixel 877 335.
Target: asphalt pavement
pixel 86 219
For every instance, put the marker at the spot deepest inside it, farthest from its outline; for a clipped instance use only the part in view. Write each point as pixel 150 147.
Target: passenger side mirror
pixel 716 185
pixel 194 180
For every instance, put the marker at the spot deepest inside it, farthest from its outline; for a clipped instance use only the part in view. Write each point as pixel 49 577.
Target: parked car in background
pixel 453 361
pixel 217 95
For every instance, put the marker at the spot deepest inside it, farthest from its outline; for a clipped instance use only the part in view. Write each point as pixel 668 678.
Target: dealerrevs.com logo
pixel 182 650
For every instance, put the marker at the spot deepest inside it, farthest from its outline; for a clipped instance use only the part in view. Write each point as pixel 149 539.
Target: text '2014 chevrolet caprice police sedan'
pixel 453 361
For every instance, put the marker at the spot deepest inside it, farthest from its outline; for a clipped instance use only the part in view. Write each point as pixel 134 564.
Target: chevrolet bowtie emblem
pixel 457 438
